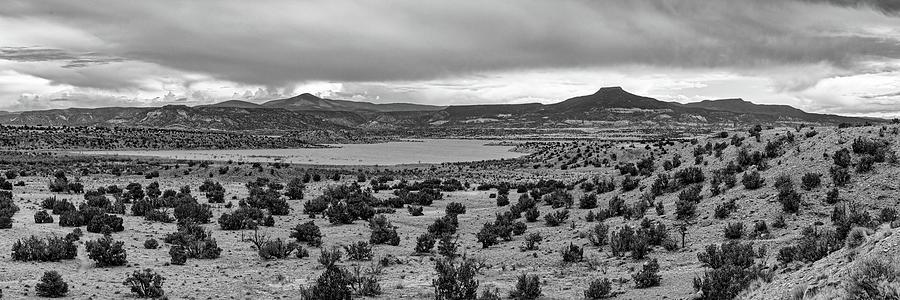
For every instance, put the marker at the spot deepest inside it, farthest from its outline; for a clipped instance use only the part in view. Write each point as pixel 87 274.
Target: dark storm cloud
pixel 277 43
pixel 69 60
pixel 886 95
pixel 888 6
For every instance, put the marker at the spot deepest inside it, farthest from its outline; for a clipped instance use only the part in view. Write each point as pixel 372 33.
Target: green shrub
pixel 527 287
pixel 556 218
pixel 833 196
pixel 648 276
pixel 455 208
pixel 193 212
pixel 414 210
pixel 196 241
pixel 42 217
pixel 874 278
pixel 731 267
pixel 151 244
pixel 242 218
pixel 308 233
pixel 599 289
pixel 443 226
pixel 276 249
pixel 51 248
pixel 455 280
pixel 532 214
pixel 789 199
pixel 839 176
pixel 334 283
pixel 105 223
pixel 178 256
pixel 842 158
pixel 811 180
pixel 360 250
pixel 752 180
pixel 107 252
pixel 52 285
pixel 145 284
pixel 572 253
pixel 424 243
pixel 502 200
pixel 383 232
pixel 532 241
pixel 734 230
pixel 329 257
pixel 588 201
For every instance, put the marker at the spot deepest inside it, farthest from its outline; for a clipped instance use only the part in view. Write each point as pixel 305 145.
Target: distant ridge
pixel 609 106
pixel 311 102
pixel 234 103
pixel 738 105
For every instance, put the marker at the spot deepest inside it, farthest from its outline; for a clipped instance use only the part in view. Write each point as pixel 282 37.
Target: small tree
pixel 455 280
pixel 648 275
pixel 752 180
pixel 527 287
pixel 599 289
pixel 295 188
pixel 52 285
pixel 107 252
pixel 145 284
pixel 424 243
pixel 307 233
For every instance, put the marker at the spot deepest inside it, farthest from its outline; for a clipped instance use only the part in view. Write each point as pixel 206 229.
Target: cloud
pixel 444 52
pixel 72 60
pixel 284 42
pixel 888 6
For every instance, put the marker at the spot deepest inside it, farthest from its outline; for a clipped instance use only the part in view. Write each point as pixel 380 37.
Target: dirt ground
pixel 240 274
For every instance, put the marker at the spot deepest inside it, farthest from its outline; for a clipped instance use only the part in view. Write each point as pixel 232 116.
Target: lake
pixel 390 153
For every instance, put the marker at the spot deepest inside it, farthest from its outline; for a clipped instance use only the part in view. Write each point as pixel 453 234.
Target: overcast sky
pixel 830 56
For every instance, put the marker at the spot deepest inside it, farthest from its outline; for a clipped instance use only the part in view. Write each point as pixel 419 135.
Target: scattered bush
pixel 752 180
pixel 599 289
pixel 151 244
pixel 874 278
pixel 556 218
pixel 424 243
pixel 527 287
pixel 107 252
pixel 52 285
pixel 731 268
pixel 242 218
pixel 414 210
pixel 307 233
pixel 329 257
pixel 839 176
pixel 455 208
pixel 51 248
pixel 734 230
pixel 597 235
pixel 105 223
pixel 572 253
pixel 648 275
pixel 145 284
pixel 842 158
pixel 383 232
pixel 532 241
pixel 588 201
pixel 42 217
pixel 811 180
pixel 455 280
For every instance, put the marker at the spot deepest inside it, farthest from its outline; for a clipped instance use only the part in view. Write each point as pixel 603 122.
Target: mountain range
pixel 611 106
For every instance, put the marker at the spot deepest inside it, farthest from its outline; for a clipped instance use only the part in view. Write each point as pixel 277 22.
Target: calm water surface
pixel 392 153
